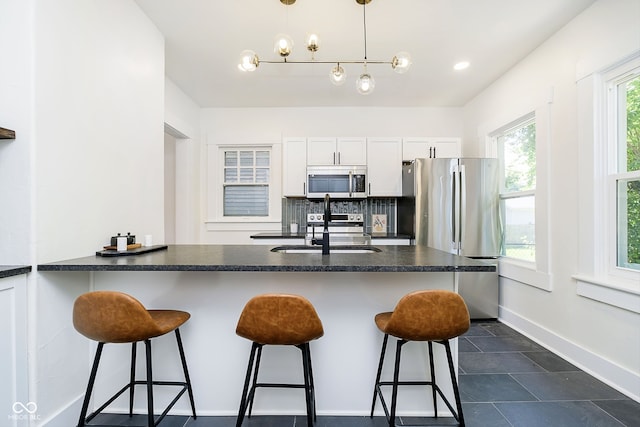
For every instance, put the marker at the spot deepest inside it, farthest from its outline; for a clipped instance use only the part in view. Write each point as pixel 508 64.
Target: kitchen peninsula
pixel 213 282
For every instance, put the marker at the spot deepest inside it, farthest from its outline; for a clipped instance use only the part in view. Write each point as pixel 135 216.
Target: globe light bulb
pixel 248 61
pixel 337 75
pixel 283 45
pixel 365 84
pixel 313 43
pixel 401 62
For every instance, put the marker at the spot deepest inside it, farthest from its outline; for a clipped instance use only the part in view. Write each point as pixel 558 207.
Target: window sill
pixel 524 272
pixel 617 293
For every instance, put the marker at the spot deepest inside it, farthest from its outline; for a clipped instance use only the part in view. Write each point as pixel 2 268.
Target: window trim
pixel 215 219
pixel 595 279
pixel 532 274
pixel 610 104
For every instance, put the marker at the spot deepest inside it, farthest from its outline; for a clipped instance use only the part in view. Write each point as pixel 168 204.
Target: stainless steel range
pixel 344 229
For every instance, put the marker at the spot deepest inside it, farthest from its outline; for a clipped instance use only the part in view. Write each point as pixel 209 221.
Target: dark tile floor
pixel 505 380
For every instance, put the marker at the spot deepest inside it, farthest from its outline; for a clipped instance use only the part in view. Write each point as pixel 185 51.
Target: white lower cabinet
pixel 13 357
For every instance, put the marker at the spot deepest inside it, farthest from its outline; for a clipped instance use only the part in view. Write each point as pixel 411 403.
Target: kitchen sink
pixel 342 249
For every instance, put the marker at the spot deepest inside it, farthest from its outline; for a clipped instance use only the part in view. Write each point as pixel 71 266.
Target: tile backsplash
pixel 296 209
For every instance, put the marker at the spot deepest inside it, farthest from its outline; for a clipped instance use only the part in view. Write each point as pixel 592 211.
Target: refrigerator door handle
pixel 462 208
pixel 453 210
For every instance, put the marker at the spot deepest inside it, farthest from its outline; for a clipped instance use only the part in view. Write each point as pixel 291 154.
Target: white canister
pixel 148 240
pixel 293 227
pixel 122 243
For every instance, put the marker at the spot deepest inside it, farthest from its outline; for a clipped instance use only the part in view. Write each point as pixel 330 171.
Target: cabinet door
pixel 322 151
pixel 418 148
pixel 294 167
pixel 384 166
pixel 352 151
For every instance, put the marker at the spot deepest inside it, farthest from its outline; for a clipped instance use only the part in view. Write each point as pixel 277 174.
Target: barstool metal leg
pixel 132 377
pixel 92 380
pixel 243 399
pixel 186 372
pixel 311 383
pixel 456 392
pixel 150 417
pixel 252 390
pixel 376 385
pixel 396 379
pixel 307 382
pixel 433 379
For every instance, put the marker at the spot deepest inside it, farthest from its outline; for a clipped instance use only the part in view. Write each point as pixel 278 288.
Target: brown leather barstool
pixel 115 317
pixel 278 319
pixel 432 316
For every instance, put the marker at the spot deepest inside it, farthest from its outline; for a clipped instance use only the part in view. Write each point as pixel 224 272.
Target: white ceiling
pixel 204 39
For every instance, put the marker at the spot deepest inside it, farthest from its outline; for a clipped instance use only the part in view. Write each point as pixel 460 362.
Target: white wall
pixel 15 104
pixel 99 111
pixel 241 125
pixel 598 337
pixel 182 122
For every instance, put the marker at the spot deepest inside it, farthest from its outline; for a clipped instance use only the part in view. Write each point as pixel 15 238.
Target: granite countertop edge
pixel 288 235
pixel 259 258
pixel 13 270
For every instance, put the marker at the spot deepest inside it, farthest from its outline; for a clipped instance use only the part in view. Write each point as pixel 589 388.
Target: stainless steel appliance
pixel 340 182
pixel 344 229
pixel 453 205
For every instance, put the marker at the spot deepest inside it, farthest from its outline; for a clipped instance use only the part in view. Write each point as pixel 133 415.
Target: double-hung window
pixel 517 155
pixel 623 168
pixel 246 181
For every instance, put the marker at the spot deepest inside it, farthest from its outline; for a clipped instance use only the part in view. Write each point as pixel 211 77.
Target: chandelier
pixel 249 60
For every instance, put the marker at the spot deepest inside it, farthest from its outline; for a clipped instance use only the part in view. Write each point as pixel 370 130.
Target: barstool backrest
pixel 429 315
pixel 279 319
pixel 113 317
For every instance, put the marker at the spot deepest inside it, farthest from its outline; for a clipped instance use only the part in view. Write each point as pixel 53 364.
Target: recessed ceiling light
pixel 461 65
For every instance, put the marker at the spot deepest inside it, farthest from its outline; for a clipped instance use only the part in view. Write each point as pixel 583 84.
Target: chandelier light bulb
pixel 248 61
pixel 337 75
pixel 365 83
pixel 283 45
pixel 313 43
pixel 401 62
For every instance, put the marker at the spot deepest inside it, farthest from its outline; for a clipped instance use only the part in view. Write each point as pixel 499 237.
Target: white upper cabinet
pixel 336 151
pixel 294 167
pixel 384 167
pixel 418 148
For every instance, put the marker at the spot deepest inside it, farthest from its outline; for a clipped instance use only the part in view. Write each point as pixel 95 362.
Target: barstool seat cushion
pixel 115 317
pixel 279 319
pixel 431 315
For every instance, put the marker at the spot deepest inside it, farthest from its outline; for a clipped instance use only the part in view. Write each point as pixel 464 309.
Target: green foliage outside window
pixel 633 164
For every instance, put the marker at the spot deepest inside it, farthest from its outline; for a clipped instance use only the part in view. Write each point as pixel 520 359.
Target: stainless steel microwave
pixel 339 182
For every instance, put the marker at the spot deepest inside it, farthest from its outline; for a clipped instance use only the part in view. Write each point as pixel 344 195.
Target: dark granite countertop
pixel 288 235
pixel 13 270
pixel 278 235
pixel 260 258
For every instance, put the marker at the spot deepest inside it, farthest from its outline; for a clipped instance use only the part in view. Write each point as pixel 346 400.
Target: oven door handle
pixel 350 183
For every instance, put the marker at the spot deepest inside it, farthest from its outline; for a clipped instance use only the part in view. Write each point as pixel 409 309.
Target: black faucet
pixel 325 231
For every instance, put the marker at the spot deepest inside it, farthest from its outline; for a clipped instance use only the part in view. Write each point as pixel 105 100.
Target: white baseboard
pixel 620 378
pixel 67 416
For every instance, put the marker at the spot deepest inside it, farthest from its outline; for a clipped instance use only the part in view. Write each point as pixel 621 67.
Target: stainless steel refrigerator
pixel 453 205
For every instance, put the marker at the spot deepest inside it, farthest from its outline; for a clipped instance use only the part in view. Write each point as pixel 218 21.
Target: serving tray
pixel 129 252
